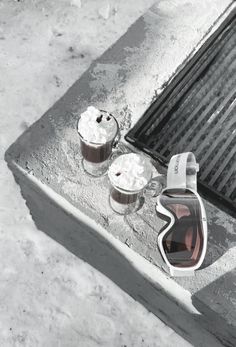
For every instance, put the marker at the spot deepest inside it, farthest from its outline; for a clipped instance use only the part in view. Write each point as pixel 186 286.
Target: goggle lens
pixel 183 243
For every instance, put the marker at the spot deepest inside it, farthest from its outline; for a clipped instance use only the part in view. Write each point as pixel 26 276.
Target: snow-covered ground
pixel 48 297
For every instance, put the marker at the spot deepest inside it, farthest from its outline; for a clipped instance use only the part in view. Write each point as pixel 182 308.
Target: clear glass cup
pixel 127 200
pixel 96 156
pixel 124 201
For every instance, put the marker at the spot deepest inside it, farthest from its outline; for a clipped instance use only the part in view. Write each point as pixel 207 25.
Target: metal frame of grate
pixel 197 112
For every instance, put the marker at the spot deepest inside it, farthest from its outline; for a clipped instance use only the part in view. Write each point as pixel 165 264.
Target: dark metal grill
pixel 197 112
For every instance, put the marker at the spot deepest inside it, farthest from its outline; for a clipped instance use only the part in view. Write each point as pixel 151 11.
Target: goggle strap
pixel 182 171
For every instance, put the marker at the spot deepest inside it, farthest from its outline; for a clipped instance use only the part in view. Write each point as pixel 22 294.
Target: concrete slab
pixel 73 208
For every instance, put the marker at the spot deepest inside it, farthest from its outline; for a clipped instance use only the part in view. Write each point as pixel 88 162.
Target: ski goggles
pixel 183 239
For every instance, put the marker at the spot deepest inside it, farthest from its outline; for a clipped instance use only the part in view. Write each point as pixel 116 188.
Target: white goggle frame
pixel 178 178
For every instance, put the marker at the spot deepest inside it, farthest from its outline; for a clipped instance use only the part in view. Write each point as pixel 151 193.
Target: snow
pixel 48 297
pixel 104 10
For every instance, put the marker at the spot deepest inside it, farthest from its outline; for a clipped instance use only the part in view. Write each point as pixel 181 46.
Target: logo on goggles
pixel 176 168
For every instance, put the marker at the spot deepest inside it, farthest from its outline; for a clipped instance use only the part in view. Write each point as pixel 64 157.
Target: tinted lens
pixel 184 242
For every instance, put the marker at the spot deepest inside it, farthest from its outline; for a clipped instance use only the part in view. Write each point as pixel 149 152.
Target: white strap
pixel 182 171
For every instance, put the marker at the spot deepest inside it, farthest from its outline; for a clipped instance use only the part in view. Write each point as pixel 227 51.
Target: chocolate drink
pixel 95 154
pixel 128 174
pixel 123 198
pixel 97 130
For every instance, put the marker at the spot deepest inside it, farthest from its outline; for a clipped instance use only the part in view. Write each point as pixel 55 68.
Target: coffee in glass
pixel 98 131
pixel 129 174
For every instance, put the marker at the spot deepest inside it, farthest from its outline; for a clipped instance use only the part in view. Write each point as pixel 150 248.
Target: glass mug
pixel 99 134
pixel 131 177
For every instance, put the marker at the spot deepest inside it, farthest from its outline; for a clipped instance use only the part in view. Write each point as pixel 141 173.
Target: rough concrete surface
pixel 49 297
pixel 124 81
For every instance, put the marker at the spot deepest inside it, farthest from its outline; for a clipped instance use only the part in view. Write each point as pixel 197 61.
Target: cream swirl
pixel 130 172
pixel 97 126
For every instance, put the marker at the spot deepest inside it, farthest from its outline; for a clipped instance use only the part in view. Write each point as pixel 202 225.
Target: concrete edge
pixel 145 283
pixel 148 270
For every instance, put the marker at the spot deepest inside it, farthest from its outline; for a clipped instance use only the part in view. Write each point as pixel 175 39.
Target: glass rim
pixel 128 191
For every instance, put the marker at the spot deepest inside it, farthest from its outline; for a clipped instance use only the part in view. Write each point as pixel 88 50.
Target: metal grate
pixel 197 112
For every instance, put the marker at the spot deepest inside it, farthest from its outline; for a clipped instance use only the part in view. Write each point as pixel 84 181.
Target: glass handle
pixel 117 139
pixel 155 186
pixel 119 150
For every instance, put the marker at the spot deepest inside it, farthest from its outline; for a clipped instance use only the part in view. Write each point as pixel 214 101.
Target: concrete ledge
pixel 73 208
pixel 89 241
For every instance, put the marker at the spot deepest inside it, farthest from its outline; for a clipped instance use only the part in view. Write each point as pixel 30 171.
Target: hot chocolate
pixel 128 174
pixel 97 130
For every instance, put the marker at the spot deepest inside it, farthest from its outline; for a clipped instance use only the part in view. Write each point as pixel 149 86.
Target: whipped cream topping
pixel 130 172
pixel 97 126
